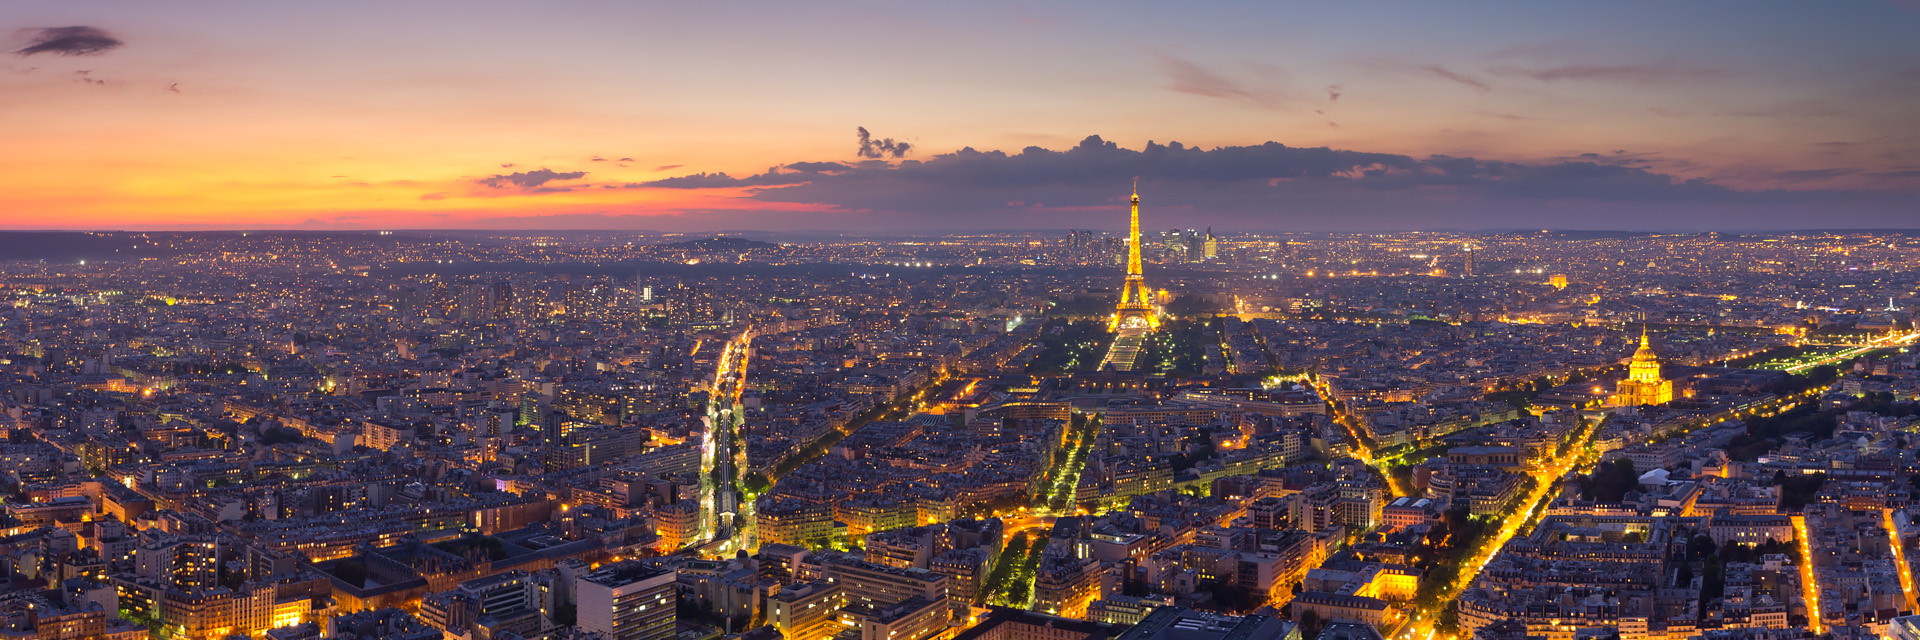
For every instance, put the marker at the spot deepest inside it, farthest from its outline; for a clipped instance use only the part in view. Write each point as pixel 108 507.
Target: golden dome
pixel 1645 354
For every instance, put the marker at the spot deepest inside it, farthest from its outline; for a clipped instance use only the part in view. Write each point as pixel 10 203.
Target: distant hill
pixel 74 246
pixel 720 245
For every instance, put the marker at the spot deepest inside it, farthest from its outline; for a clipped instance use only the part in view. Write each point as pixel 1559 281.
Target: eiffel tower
pixel 1136 311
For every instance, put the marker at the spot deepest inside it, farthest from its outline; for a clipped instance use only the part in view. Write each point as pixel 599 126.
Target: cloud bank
pixel 1272 186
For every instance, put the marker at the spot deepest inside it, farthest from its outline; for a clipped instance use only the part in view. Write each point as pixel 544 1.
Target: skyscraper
pixel 1136 310
pixel 502 300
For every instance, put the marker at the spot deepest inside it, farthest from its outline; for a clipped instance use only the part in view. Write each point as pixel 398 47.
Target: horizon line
pixel 725 232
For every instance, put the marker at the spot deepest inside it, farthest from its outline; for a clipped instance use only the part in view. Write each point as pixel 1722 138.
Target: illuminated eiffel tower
pixel 1136 311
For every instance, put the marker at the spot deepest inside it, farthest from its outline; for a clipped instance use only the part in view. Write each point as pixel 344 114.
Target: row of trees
pixel 1180 348
pixel 1003 567
pixel 1071 346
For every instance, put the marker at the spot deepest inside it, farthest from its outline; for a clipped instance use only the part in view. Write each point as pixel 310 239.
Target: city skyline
pixel 1166 436
pixel 1643 116
pixel 999 320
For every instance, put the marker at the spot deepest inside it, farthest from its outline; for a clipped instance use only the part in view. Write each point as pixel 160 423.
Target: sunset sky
pixel 731 115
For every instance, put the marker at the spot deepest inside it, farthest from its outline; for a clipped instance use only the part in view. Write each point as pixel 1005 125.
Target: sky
pixel 938 116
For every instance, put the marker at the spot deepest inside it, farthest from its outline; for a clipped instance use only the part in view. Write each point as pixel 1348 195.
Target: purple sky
pixel 1364 115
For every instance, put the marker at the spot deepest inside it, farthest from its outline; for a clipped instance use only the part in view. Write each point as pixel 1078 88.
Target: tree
pixel 1003 567
pixel 1799 491
pixel 1458 517
pixel 1700 547
pixel 1715 585
pixel 754 483
pixel 1309 623
pixel 1234 597
pixel 1610 482
pixel 350 572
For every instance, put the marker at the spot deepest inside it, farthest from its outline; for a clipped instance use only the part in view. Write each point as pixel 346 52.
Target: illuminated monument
pixel 1136 315
pixel 1643 384
pixel 1136 312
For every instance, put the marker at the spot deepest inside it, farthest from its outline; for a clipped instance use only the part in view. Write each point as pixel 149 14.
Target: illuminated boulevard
pixel 726 521
pixel 1810 588
pixel 1900 557
pixel 1892 341
pixel 1578 456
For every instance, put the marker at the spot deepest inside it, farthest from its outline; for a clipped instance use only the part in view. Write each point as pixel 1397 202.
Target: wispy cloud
pixel 1469 81
pixel 1646 73
pixel 1813 175
pixel 1185 76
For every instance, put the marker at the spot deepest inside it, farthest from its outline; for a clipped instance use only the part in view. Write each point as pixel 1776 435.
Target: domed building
pixel 1643 385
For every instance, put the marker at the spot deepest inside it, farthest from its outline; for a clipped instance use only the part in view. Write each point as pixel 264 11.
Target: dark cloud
pixel 531 180
pixel 626 160
pixel 1650 73
pixel 68 41
pixel 597 159
pixel 1274 186
pixel 668 167
pixel 883 148
pixel 1186 77
pixel 1268 166
pixel 1470 81
pixel 1333 92
pixel 773 177
pixel 175 87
